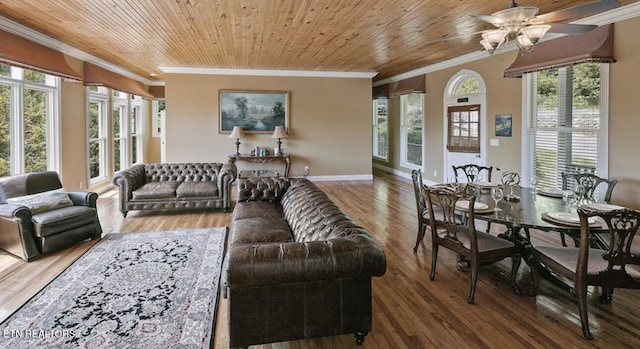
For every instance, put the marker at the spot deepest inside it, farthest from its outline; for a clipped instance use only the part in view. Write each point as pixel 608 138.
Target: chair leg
pixel 581 293
pixel 515 265
pixel 434 259
pixel 488 227
pixel 474 279
pixel 563 239
pixel 534 275
pixel 606 295
pixel 421 231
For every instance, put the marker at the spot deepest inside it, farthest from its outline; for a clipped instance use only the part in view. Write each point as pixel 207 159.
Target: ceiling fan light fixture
pixel 534 32
pixel 516 14
pixel 524 43
pixel 495 38
pixel 487 46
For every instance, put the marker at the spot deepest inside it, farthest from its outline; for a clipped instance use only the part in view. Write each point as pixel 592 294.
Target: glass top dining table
pixel 529 212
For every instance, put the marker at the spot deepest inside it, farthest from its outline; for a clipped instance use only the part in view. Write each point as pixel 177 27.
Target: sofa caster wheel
pixel 359 337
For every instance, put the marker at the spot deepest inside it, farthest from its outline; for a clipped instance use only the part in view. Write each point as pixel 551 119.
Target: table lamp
pixel 279 133
pixel 237 133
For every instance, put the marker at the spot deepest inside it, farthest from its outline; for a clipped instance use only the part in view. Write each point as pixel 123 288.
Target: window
pixel 136 129
pixel 467 85
pixel 158 109
pixel 119 123
pixel 380 129
pixel 464 129
pixel 29 121
pixel 412 106
pixel 97 123
pixel 567 123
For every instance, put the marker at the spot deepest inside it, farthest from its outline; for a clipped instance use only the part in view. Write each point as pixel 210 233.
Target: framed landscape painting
pixel 254 111
pixel 503 125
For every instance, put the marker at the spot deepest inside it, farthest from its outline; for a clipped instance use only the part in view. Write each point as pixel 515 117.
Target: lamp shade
pixel 279 132
pixel 237 132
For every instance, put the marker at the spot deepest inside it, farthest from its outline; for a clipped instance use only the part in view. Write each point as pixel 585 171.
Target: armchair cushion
pixel 153 190
pixel 44 201
pixel 197 189
pixel 57 221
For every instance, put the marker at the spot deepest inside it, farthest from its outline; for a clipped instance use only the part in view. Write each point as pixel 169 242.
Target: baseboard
pixel 362 177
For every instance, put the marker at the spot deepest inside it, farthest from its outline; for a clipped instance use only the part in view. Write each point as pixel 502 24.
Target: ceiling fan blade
pixel 578 11
pixel 564 28
pixel 490 19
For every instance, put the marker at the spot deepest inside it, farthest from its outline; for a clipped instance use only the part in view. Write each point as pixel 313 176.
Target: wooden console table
pixel 286 159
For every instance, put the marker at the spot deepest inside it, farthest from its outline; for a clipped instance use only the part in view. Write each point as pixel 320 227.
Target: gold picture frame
pixel 253 110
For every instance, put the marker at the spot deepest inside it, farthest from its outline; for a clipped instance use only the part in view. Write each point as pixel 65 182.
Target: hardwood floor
pixel 409 310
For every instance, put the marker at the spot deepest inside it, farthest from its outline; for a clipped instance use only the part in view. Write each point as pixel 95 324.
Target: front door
pixel 464 137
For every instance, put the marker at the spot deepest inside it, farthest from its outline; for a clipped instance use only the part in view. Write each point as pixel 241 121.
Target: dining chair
pixel 589 183
pixel 617 267
pixel 478 247
pixel 472 172
pixel 421 206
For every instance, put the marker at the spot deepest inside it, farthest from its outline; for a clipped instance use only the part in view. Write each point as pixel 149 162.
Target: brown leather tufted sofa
pixel 168 186
pixel 297 266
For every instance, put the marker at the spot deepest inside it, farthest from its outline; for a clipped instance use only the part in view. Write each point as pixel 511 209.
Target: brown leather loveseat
pixel 175 185
pixel 297 266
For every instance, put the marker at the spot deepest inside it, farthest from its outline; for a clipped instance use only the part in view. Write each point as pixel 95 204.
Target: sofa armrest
pixel 16 231
pixel 130 179
pixel 274 263
pixel 84 198
pixel 227 175
pixel 268 189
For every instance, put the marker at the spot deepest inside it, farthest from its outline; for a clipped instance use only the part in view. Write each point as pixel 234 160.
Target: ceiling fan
pixel 523 25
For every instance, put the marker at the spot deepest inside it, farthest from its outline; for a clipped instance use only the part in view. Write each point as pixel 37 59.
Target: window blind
pixel 565 123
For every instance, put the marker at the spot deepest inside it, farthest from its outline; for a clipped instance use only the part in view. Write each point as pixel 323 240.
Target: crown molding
pixel 259 72
pixel 612 16
pixel 44 40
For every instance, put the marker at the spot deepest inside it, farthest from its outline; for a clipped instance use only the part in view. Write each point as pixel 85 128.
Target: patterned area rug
pixel 131 290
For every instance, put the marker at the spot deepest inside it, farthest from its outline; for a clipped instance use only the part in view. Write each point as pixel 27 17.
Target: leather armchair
pixel 27 234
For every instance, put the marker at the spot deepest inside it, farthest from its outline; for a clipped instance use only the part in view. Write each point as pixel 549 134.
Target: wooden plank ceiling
pixel 385 36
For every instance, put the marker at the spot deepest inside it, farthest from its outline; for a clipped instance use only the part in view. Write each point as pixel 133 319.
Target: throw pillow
pixel 44 201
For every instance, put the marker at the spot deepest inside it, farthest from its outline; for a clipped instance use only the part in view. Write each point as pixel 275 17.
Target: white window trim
pixel 121 103
pixel 137 103
pixel 375 127
pixel 451 100
pixel 154 120
pixel 603 147
pixel 403 133
pixel 53 123
pixel 102 98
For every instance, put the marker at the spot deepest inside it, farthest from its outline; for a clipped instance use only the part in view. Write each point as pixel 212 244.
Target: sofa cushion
pixel 260 230
pixel 197 189
pixel 45 201
pixel 153 190
pixel 63 219
pixel 256 209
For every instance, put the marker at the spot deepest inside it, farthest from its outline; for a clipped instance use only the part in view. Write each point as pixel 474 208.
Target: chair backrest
pixel 421 205
pixel 589 183
pixel 444 200
pixel 623 225
pixel 510 178
pixel 472 171
pixel 27 184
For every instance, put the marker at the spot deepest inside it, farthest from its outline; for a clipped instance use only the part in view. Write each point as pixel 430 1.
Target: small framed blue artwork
pixel 503 125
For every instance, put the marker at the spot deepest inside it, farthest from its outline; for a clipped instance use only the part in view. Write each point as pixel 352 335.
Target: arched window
pixel 467 85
